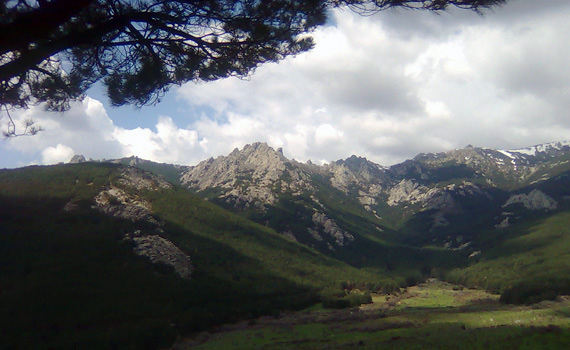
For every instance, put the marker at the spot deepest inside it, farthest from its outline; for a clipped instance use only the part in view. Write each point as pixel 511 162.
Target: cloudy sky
pixel 385 87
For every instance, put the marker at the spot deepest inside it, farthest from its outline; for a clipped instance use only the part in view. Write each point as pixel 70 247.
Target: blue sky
pixel 386 87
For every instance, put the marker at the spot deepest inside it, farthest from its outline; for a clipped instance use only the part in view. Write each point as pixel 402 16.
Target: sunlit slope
pixel 528 261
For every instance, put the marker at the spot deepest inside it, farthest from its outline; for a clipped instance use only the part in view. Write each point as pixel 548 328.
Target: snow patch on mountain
pixel 542 148
pixel 507 153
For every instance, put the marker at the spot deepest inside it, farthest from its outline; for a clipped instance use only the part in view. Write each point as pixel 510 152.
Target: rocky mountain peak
pixel 248 177
pixel 359 167
pixel 466 155
pixel 78 158
pixel 257 162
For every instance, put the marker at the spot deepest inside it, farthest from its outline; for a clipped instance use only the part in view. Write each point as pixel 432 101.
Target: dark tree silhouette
pixel 53 50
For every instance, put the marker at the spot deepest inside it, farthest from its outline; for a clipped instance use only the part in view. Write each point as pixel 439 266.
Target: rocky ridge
pixel 122 200
pixel 514 166
pixel 535 200
pixel 329 226
pixel 367 178
pixel 443 185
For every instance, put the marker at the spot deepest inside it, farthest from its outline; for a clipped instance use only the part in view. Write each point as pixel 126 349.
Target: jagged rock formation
pixel 498 167
pixel 328 226
pixel 78 158
pixel 248 178
pixel 356 171
pixel 258 177
pixel 163 251
pixel 406 191
pixel 119 202
pixel 258 173
pixel 535 200
pixel 143 180
pixel 122 200
pixel 367 178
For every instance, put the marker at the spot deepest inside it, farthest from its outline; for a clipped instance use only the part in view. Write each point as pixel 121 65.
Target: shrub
pixel 340 303
pixel 530 292
pixel 357 299
pixel 353 299
pixel 389 288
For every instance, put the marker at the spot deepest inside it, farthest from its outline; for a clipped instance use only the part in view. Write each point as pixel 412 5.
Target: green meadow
pixel 432 315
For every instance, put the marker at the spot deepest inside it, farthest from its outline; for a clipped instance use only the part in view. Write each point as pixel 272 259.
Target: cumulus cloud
pixel 168 144
pixel 326 134
pixel 59 153
pixel 86 129
pixel 385 87
pixel 391 86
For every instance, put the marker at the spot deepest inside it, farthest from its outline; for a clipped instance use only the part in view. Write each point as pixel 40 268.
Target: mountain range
pixel 441 199
pixel 141 246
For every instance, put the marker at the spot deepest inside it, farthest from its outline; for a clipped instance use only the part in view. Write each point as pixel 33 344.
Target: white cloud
pixel 86 129
pixel 168 144
pixel 437 109
pixel 326 134
pixel 413 83
pixel 59 153
pixel 386 87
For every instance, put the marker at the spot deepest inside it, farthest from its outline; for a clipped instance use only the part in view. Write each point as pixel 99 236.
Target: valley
pixel 129 253
pixel 431 315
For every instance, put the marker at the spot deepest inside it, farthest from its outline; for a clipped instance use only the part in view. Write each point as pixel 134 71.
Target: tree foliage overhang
pixel 53 50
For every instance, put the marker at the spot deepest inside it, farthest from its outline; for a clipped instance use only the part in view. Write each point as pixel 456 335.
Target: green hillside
pixel 528 262
pixel 69 278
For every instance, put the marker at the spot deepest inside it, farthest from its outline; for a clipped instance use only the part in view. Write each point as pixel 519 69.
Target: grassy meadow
pixel 432 315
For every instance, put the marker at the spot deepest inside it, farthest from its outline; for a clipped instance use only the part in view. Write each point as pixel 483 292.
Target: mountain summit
pixel 247 177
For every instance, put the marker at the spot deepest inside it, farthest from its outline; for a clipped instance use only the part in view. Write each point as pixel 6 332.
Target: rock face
pixel 116 202
pixel 119 202
pixel 499 167
pixel 143 180
pixel 359 175
pixel 78 158
pixel 259 178
pixel 328 226
pixel 535 200
pixel 122 200
pixel 161 250
pixel 250 178
pixel 406 191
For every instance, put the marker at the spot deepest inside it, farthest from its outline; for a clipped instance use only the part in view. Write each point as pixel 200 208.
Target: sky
pixel 386 87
